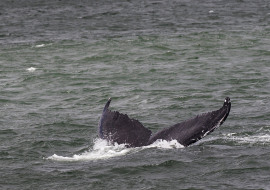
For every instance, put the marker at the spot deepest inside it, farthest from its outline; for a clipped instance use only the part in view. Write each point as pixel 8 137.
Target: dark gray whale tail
pixel 118 128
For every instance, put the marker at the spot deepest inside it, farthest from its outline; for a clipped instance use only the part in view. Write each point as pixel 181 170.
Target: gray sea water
pixel 161 62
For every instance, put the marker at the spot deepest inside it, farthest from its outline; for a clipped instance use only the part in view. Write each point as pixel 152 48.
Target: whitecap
pixel 31 69
pixel 40 45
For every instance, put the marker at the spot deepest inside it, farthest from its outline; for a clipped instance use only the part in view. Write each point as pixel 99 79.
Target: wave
pixel 103 150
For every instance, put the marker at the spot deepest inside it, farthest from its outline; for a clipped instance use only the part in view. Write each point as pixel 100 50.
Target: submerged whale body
pixel 118 128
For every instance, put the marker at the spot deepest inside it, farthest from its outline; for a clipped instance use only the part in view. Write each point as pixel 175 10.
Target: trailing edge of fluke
pixel 118 128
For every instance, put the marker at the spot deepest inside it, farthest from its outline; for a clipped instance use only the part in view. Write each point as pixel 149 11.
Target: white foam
pixel 163 144
pixel 103 150
pixel 252 139
pixel 40 45
pixel 31 69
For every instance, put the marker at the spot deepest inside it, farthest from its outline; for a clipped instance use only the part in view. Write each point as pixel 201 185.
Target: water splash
pixel 251 139
pixel 103 150
pixel 163 144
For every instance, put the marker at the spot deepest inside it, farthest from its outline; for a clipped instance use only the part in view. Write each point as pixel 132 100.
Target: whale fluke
pixel 119 128
pixel 192 130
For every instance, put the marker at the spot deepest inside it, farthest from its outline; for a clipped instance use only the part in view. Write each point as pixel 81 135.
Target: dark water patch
pixel 6 132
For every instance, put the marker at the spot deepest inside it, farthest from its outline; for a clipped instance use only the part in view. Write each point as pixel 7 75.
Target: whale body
pixel 119 128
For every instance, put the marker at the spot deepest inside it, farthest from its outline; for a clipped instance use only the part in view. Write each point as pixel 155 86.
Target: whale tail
pixel 119 128
pixel 192 130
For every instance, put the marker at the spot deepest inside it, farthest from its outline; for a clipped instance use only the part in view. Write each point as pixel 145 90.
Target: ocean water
pixel 161 62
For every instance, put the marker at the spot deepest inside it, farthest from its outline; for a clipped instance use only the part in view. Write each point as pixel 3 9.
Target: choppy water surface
pixel 161 62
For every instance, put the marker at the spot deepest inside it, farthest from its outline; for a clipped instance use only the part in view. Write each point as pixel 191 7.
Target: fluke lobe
pixel 118 128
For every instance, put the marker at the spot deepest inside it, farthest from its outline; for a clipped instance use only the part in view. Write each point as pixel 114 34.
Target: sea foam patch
pixel 103 150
